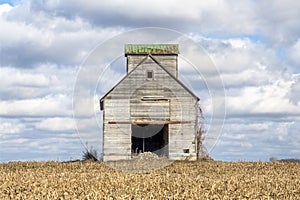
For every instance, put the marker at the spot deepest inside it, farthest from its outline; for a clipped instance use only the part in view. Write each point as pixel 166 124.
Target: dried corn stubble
pixel 180 180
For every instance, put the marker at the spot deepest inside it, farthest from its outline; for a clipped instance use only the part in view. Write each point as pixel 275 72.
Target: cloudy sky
pixel 44 45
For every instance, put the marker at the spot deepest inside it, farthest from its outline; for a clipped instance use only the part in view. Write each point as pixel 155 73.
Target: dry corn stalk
pixel 180 180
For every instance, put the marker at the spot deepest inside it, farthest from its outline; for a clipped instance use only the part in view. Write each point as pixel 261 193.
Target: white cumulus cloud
pixel 57 124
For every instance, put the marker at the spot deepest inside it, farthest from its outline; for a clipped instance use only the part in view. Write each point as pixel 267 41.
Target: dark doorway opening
pixel 150 138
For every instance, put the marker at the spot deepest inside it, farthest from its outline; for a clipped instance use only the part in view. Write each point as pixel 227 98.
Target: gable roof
pixel 162 49
pixel 176 79
pixel 128 74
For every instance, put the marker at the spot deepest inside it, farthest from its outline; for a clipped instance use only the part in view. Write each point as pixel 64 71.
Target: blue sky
pixel 7 2
pixel 254 45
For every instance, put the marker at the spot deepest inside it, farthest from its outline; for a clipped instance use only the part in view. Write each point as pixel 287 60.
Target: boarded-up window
pixel 150 109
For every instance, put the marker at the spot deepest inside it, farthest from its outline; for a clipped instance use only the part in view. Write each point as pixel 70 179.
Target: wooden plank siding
pixel 161 98
pixel 169 62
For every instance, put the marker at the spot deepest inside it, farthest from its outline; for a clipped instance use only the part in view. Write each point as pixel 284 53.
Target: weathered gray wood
pixel 138 98
pixel 168 61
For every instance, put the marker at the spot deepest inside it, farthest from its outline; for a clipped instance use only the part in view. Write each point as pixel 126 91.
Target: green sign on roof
pixel 151 49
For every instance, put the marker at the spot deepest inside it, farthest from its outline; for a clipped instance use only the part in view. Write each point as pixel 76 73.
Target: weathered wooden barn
pixel 150 109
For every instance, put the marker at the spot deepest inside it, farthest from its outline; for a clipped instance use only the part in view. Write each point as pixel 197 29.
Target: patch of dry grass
pixel 180 180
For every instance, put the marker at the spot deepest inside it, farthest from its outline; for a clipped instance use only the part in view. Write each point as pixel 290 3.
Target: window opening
pixel 150 74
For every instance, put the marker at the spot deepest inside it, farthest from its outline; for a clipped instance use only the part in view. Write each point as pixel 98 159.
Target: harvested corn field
pixel 180 180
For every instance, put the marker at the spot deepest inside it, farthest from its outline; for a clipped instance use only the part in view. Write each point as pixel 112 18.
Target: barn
pixel 150 109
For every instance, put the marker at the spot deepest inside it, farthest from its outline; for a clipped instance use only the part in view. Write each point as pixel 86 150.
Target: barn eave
pixel 146 57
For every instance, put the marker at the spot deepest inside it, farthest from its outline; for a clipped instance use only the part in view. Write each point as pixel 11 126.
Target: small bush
pixel 90 154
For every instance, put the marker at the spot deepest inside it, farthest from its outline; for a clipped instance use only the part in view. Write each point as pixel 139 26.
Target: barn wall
pixel 183 135
pixel 169 62
pixel 124 104
pixel 116 137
